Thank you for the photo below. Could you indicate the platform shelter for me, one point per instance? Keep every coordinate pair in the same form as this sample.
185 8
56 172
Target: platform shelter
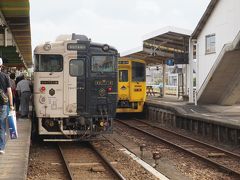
164 47
15 33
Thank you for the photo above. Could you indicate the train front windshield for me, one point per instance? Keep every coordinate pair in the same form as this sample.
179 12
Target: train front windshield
138 72
103 63
48 63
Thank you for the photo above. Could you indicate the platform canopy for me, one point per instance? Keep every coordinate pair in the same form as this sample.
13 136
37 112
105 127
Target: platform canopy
15 33
144 54
161 45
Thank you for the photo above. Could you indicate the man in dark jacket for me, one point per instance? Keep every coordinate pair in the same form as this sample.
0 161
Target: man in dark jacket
6 89
17 98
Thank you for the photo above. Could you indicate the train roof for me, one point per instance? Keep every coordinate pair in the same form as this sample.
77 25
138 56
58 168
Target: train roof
100 44
74 38
131 59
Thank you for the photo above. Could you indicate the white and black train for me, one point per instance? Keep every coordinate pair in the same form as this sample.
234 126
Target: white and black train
75 88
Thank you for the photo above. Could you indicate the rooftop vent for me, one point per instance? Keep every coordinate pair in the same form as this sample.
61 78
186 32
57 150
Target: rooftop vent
79 37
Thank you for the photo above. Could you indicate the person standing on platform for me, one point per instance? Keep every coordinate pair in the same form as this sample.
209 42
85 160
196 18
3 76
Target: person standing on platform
24 92
13 86
5 88
17 98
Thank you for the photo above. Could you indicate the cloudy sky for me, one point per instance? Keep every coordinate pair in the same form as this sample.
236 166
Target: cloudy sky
120 23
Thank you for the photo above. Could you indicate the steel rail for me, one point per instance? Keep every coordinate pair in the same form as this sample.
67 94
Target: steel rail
116 172
70 174
191 139
181 148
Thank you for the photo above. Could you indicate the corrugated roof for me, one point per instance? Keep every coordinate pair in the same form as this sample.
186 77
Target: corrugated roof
143 54
16 15
161 45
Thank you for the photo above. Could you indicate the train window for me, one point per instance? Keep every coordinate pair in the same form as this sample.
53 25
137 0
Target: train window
103 63
138 72
123 76
48 63
76 67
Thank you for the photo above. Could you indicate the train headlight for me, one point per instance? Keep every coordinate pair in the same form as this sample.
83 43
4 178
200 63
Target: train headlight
51 123
47 47
105 47
101 123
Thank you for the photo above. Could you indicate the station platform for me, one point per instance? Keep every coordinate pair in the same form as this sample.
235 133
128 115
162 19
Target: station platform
14 163
226 115
220 122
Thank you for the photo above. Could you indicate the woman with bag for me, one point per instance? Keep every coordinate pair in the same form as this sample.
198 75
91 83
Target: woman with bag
5 98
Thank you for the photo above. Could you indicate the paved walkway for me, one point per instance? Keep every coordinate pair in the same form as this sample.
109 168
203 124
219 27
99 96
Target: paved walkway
14 163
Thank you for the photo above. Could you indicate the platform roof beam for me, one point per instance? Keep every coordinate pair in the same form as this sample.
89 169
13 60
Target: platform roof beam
15 33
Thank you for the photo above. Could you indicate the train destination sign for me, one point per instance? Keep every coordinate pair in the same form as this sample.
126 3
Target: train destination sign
122 62
76 47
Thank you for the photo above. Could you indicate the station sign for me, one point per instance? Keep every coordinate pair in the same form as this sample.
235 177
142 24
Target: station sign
181 58
170 62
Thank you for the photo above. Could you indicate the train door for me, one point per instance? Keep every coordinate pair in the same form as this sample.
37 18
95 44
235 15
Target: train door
123 86
74 78
138 81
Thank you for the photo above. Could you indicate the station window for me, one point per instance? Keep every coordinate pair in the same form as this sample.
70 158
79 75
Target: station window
210 43
123 76
76 67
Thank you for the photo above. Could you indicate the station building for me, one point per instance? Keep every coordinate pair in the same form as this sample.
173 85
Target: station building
217 41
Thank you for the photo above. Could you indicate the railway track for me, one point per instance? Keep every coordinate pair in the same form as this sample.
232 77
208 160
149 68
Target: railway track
86 158
220 158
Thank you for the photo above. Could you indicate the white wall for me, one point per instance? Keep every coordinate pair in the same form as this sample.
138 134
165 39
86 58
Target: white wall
224 22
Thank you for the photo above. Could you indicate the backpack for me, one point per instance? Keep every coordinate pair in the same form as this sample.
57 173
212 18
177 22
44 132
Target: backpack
3 98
